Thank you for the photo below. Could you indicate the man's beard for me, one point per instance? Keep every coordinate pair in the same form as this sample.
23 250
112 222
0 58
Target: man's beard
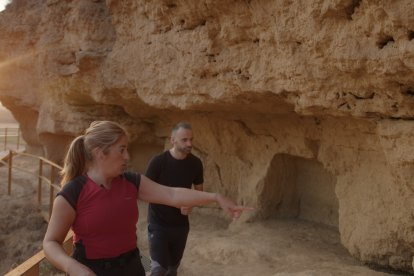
186 150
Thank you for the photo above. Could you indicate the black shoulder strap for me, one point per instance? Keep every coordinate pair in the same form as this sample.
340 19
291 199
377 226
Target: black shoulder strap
71 190
134 178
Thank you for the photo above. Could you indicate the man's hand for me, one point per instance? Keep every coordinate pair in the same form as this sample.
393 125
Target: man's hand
186 210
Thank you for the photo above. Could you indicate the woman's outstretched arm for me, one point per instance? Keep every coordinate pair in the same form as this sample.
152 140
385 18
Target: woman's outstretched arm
153 192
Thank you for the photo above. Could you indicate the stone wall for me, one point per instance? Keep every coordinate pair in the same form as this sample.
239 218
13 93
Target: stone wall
301 108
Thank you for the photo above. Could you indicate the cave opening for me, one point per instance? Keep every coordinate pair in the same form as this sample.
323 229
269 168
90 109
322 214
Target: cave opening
300 188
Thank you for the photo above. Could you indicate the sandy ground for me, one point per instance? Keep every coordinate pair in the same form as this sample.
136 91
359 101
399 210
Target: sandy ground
216 246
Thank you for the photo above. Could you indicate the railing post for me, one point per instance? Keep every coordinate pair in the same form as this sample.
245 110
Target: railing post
5 138
9 177
18 138
39 184
51 190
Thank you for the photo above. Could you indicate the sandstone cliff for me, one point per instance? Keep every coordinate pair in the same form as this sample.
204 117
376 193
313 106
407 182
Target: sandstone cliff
302 108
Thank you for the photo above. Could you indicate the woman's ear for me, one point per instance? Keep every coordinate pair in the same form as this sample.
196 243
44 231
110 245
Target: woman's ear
97 153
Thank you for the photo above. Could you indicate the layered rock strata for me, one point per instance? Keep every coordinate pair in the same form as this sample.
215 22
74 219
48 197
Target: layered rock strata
301 108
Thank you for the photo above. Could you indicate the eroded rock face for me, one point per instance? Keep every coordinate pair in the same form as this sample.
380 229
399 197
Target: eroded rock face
301 108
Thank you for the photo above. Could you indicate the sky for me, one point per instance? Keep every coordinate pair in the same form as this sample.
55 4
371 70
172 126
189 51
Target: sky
3 4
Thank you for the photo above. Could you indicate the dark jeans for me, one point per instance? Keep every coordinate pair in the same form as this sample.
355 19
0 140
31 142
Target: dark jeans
127 264
166 245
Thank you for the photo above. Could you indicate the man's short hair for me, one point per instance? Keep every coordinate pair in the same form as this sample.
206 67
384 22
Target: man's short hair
184 125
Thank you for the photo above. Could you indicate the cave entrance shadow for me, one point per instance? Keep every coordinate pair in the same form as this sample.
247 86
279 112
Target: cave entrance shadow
296 187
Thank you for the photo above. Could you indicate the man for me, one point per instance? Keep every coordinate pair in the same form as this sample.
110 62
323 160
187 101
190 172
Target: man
168 227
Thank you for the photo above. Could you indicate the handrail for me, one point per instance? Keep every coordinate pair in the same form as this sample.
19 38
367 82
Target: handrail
31 266
44 178
41 158
41 177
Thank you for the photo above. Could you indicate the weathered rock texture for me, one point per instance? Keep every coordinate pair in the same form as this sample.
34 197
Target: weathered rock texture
301 108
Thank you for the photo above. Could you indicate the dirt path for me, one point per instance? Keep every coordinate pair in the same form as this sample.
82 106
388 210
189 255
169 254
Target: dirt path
275 247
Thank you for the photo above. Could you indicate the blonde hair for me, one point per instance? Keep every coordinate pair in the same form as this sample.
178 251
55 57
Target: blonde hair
100 134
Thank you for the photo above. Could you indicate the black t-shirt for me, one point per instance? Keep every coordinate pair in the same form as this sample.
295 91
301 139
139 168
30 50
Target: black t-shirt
168 171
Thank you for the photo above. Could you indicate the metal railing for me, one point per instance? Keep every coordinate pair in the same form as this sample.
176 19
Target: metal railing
50 181
31 267
11 138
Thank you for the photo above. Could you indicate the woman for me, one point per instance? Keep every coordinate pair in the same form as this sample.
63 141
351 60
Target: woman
98 201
